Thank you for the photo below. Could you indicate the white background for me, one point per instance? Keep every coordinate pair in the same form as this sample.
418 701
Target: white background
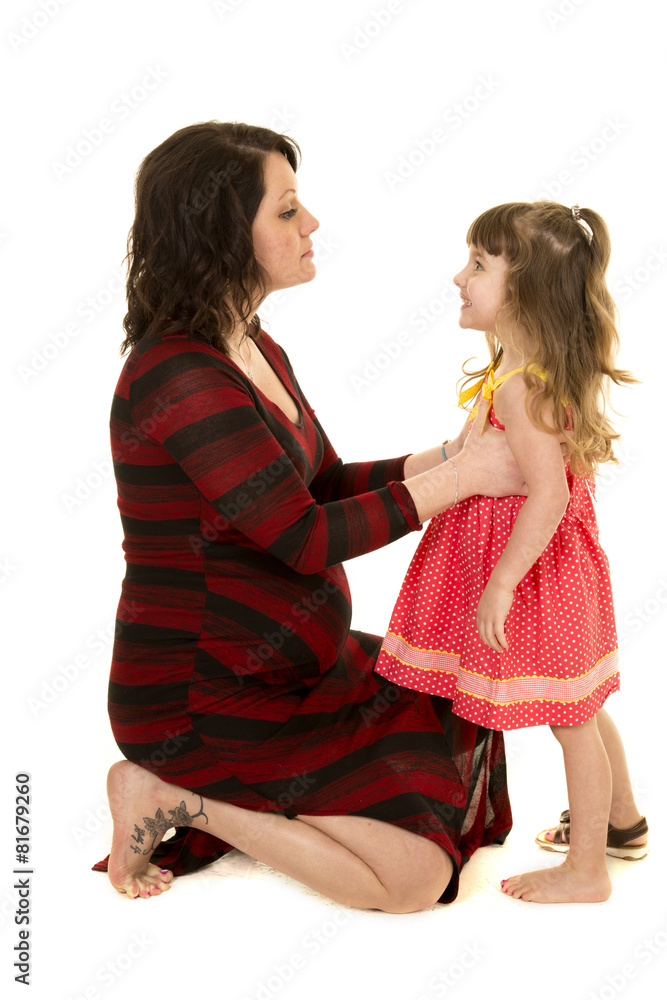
532 99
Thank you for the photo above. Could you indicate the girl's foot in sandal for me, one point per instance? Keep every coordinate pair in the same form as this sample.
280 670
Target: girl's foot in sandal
630 844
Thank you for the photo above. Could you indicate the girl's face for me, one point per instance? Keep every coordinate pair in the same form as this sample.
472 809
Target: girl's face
482 287
281 228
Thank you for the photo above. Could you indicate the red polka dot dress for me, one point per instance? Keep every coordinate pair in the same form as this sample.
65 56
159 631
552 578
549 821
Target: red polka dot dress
562 660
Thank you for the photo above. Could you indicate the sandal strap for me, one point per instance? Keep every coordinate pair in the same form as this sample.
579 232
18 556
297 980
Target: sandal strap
562 832
619 838
615 838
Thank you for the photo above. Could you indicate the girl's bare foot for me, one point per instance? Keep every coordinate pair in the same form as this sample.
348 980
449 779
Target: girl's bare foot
143 808
563 884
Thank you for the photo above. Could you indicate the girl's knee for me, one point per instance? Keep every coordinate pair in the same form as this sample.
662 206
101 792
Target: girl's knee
566 734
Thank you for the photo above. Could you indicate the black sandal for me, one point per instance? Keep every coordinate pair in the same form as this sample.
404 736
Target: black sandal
617 840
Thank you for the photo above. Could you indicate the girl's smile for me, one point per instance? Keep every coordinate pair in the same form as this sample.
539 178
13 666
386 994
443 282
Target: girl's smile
482 287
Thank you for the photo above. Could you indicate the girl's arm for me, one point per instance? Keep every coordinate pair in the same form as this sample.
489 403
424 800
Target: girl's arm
539 457
424 460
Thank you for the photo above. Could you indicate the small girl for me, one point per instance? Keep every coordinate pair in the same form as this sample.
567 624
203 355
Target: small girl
506 607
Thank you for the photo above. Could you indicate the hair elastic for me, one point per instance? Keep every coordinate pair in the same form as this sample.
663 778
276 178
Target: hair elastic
576 215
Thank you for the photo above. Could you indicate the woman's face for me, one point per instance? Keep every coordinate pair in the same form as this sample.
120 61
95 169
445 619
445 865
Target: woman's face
282 227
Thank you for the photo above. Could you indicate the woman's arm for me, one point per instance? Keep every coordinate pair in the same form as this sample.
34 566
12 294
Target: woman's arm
539 457
186 399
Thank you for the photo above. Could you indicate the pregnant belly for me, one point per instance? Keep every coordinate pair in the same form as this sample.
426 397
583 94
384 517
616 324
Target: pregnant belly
247 617
277 627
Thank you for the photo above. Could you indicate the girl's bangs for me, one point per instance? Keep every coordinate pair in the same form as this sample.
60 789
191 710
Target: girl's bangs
489 231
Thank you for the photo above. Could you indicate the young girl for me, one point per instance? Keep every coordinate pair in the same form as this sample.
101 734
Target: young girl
506 607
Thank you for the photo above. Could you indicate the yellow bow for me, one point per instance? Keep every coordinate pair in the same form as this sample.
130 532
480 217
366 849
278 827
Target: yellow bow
486 384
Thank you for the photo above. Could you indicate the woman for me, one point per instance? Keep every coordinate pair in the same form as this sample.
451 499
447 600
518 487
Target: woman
249 713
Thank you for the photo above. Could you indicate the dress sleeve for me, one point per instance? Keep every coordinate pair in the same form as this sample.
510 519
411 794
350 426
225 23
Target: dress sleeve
190 404
337 480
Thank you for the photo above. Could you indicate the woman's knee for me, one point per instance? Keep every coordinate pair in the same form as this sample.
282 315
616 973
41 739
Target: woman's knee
422 886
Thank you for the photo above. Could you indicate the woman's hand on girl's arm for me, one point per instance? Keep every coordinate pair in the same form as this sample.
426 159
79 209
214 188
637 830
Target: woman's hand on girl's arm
488 467
539 457
485 466
453 447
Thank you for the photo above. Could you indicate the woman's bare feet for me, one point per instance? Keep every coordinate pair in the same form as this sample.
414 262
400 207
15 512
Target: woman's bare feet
143 808
564 884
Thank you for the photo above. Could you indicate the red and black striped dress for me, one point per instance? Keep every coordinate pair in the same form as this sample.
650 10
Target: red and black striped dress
235 672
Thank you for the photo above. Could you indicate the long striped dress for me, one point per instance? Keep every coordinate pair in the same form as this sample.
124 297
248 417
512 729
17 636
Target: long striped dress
235 672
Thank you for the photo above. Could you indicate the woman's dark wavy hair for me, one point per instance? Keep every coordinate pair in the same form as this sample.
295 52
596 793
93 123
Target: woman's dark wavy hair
556 294
191 262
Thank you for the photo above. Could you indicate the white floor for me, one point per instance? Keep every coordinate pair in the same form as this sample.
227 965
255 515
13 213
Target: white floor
254 934
241 931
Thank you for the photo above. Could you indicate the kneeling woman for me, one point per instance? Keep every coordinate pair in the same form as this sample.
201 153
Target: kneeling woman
248 712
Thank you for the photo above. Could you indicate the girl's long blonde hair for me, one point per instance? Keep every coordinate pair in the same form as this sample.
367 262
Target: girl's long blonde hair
556 294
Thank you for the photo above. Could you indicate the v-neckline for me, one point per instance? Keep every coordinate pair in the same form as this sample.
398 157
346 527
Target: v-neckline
297 402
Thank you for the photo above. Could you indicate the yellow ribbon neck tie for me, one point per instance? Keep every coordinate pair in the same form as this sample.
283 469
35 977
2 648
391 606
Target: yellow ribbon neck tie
489 383
486 384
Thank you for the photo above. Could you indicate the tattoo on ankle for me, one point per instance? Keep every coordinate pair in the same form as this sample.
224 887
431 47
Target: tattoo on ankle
158 826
